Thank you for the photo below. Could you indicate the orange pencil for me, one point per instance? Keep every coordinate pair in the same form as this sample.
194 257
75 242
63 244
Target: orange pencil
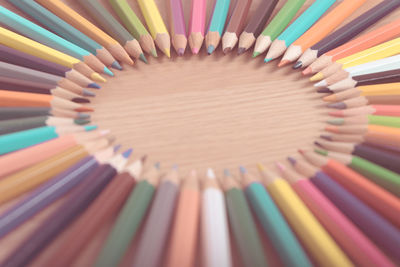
69 15
182 250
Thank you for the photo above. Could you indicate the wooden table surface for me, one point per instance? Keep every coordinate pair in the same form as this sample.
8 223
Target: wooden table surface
203 111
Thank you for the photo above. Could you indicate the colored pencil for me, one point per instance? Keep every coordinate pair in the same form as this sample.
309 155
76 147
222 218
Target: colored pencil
320 29
365 41
276 25
65 30
156 25
154 234
177 26
297 28
273 222
216 24
367 90
197 25
8 113
235 25
19 58
114 28
183 240
366 219
381 176
346 32
377 198
66 13
319 244
214 224
383 110
389 99
102 210
363 129
31 47
345 138
243 226
361 149
129 219
367 119
73 206
39 34
345 233
133 24
386 49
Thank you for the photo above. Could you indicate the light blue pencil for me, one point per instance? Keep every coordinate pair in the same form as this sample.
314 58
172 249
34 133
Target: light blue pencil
217 24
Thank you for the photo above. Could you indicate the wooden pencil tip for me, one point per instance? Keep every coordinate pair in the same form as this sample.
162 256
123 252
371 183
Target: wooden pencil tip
116 65
108 72
210 49
241 50
329 98
256 54
97 77
307 71
283 62
297 65
317 77
167 52
180 52
335 113
154 52
84 109
143 58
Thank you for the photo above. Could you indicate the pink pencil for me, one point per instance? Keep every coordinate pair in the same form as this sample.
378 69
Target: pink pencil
177 24
197 25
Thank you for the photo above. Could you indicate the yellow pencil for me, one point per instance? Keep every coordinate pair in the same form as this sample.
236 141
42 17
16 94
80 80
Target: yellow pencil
156 25
316 240
26 45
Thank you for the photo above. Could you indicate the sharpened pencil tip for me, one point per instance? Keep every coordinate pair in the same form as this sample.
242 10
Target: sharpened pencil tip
80 100
266 60
195 50
227 50
154 53
143 58
283 62
227 172
322 152
105 132
181 52
241 50
291 160
116 65
260 167
83 116
280 166
317 143
108 72
167 52
116 148
324 90
242 170
97 77
85 109
325 137
338 105
307 71
210 49
256 54
317 77
336 121
86 92
157 165
322 83
336 113
297 65
143 158
301 151
81 122
210 173
126 154
90 128
94 85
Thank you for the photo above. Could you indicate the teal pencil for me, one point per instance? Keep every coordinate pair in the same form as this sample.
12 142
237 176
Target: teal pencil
217 24
19 140
297 28
273 223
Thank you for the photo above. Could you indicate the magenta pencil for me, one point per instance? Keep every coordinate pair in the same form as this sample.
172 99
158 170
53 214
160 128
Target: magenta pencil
177 26
197 25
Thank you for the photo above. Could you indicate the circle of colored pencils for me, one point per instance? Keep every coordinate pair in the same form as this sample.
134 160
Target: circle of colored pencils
197 25
177 26
297 28
216 25
156 25
114 28
214 222
320 29
256 25
368 221
273 222
235 25
363 42
276 26
346 32
105 206
129 219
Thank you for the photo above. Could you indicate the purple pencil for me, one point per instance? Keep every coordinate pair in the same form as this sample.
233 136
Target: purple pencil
177 26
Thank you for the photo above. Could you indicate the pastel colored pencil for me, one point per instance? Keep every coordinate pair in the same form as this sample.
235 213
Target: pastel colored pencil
367 220
276 25
243 226
102 210
183 240
377 198
65 30
345 233
16 125
114 28
386 49
273 222
367 119
34 48
256 25
18 183
319 244
66 13
22 59
216 24
380 157
385 99
346 33
367 90
154 234
8 113
133 24
214 224
73 206
363 129
381 176
383 110
177 26
24 158
156 25
15 141
235 25
297 28
197 25
365 41
320 29
39 34
129 219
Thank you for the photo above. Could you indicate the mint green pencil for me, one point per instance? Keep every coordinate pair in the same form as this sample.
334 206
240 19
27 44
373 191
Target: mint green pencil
277 25
217 24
